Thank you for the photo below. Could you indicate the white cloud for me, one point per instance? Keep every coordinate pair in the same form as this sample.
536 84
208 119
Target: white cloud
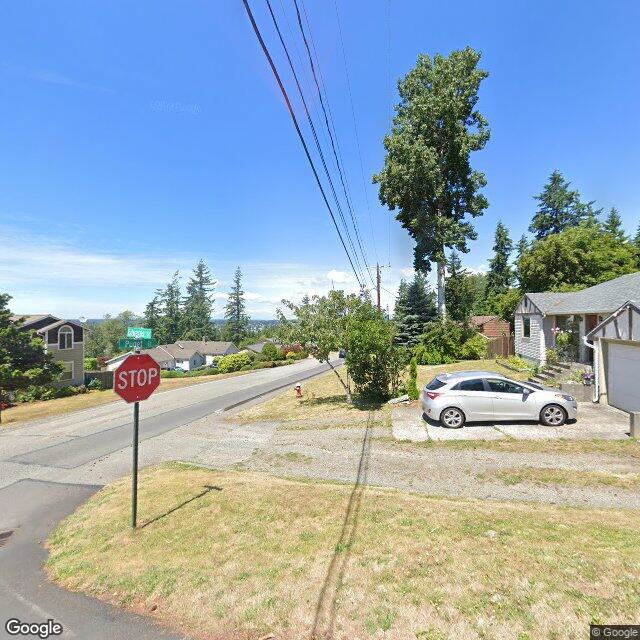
340 277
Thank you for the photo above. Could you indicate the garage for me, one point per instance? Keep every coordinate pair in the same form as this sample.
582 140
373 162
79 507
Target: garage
623 375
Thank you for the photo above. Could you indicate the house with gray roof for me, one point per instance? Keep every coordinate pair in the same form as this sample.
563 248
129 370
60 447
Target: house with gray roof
541 317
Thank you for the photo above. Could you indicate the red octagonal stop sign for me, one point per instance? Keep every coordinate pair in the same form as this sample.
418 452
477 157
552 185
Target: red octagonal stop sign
137 378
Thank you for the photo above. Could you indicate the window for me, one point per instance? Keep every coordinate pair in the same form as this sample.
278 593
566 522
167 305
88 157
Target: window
505 386
526 327
67 373
470 385
65 338
436 383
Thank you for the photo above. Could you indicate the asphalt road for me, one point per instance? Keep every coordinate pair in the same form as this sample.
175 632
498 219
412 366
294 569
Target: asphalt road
49 467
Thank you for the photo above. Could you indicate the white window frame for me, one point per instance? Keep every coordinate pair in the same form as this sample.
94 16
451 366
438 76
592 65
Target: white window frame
71 371
524 328
65 330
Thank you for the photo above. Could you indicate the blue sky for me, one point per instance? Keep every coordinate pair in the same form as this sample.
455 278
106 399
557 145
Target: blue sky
136 138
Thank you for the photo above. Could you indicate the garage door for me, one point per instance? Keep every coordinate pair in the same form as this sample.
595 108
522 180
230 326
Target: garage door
623 376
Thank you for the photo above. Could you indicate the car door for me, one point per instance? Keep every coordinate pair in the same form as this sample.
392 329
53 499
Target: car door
474 399
510 402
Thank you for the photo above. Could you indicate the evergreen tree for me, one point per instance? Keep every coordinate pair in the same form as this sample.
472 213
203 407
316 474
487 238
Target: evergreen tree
23 360
522 248
427 174
169 326
500 275
559 208
237 320
152 315
415 307
613 225
459 290
198 304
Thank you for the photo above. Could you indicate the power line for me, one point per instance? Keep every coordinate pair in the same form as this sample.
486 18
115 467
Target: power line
298 131
314 133
329 127
355 129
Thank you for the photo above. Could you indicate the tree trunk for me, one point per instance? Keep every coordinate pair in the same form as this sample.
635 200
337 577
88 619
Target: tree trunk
442 307
347 390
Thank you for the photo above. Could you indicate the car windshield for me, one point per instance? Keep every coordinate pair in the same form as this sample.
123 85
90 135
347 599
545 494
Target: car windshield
436 383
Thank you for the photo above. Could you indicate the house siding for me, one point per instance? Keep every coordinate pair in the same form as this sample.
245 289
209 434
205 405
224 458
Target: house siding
531 348
75 355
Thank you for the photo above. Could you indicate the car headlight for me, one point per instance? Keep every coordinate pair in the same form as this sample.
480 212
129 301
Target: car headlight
565 397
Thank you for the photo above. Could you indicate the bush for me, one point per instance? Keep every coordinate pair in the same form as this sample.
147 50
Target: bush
272 352
95 384
264 365
553 357
171 374
440 343
518 362
35 392
290 355
412 386
205 371
475 348
234 362
90 364
247 367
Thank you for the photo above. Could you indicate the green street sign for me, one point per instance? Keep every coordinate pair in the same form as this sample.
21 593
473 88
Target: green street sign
139 332
141 343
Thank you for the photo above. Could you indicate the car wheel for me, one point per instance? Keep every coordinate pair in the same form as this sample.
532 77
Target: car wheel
553 415
452 418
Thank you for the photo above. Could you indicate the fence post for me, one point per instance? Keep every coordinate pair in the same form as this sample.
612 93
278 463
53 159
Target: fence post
634 424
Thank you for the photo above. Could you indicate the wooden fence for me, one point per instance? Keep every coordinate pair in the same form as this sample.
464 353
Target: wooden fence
501 347
106 377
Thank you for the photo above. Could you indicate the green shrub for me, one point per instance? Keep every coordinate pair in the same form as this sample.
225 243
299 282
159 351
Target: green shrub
35 392
247 367
291 355
553 357
172 374
412 386
440 343
90 364
475 348
272 352
95 384
205 371
518 362
234 362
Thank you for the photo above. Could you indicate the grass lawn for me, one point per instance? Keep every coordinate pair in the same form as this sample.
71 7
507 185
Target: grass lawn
232 555
426 373
323 404
47 409
566 477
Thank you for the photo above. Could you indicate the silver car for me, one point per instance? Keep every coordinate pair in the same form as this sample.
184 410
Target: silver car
455 398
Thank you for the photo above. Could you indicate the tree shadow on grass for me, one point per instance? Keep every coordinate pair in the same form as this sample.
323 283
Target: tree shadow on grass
362 403
326 607
207 489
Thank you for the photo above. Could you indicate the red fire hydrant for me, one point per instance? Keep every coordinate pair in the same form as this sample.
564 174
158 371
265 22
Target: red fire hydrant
298 389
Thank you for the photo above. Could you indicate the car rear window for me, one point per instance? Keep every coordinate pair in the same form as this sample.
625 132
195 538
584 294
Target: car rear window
436 383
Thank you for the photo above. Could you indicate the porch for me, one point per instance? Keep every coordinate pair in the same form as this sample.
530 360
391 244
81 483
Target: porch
563 334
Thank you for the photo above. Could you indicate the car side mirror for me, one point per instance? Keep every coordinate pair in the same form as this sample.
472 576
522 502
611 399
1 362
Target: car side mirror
526 392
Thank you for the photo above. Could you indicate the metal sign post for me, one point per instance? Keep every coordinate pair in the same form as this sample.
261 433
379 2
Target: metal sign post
134 482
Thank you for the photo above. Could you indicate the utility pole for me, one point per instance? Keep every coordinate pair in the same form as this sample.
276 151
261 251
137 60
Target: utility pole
378 283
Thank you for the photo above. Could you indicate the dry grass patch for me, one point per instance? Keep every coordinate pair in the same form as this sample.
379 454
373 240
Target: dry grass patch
250 554
566 477
323 405
426 373
619 449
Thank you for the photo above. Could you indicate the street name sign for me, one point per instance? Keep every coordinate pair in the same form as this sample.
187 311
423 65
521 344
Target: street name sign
139 332
137 343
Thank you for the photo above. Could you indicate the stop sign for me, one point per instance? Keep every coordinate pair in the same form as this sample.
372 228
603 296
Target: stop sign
137 378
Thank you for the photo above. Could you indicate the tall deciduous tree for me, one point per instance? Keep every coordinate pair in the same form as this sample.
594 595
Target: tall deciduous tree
576 258
23 361
500 275
198 304
559 208
237 319
415 307
427 175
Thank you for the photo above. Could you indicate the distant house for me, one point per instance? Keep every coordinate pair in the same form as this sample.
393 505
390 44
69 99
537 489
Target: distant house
210 349
491 326
63 339
180 355
259 346
539 317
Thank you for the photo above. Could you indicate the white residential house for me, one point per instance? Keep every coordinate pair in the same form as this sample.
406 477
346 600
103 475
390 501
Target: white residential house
168 356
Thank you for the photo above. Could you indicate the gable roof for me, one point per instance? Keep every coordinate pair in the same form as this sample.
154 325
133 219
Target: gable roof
30 319
175 351
53 323
601 298
209 347
479 321
259 346
628 305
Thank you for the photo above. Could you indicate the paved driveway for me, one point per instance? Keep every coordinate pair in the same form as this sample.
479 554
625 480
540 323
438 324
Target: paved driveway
594 421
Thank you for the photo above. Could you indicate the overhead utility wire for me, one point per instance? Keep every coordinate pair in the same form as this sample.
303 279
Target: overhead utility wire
265 50
331 137
315 135
355 129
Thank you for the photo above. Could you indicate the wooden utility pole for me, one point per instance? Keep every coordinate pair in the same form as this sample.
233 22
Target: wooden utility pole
378 283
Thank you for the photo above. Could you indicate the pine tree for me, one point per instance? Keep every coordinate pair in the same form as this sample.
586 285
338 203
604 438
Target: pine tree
198 304
559 208
636 242
500 275
415 308
237 320
522 248
613 225
152 315
169 326
459 290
